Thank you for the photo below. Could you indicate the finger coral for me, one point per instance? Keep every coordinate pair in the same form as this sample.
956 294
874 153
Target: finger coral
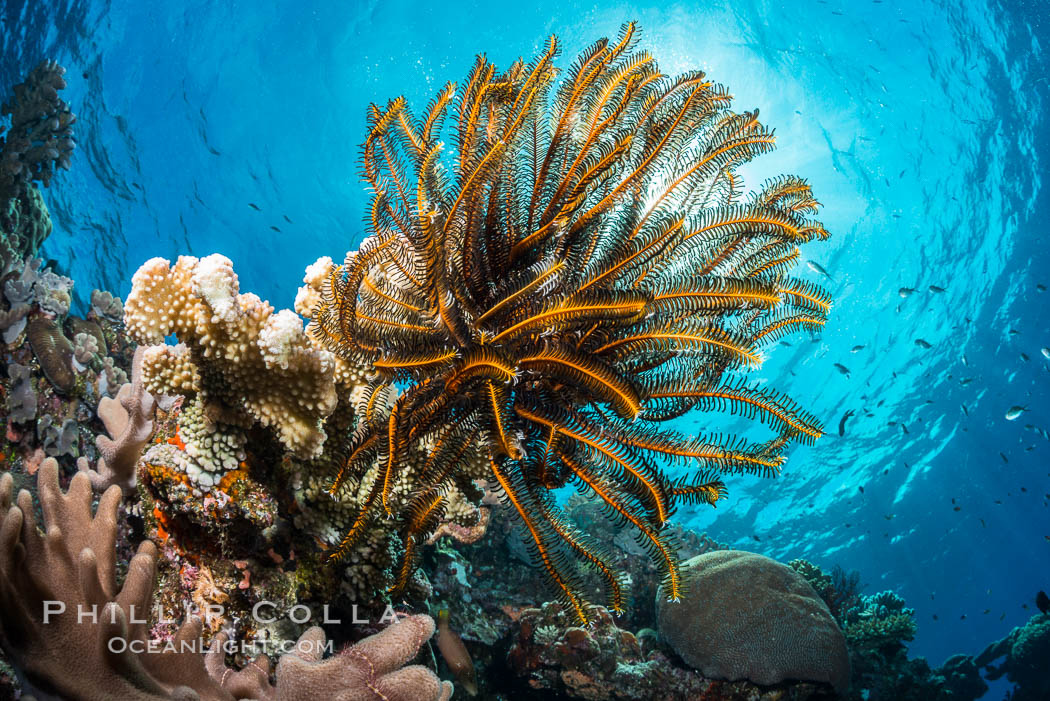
73 566
247 364
373 668
584 266
129 422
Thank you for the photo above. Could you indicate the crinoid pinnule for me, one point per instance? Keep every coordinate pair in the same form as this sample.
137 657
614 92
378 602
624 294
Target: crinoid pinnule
583 265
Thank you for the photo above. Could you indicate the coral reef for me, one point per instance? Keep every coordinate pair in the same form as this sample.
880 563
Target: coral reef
839 590
1024 653
41 286
74 566
604 662
745 616
520 318
876 628
879 620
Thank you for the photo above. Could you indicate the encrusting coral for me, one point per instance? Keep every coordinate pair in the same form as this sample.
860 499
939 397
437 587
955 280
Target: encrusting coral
252 365
73 565
585 267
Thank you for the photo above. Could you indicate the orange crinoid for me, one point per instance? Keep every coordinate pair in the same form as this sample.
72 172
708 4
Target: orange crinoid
583 266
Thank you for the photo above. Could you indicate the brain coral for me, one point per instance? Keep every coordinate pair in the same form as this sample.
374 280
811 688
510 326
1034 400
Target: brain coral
251 364
745 616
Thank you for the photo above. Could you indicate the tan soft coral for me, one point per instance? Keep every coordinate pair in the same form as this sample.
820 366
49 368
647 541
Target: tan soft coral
250 364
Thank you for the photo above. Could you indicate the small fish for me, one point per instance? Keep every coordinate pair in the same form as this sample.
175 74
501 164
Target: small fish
1045 352
965 361
286 218
275 228
1042 602
1024 357
922 343
254 206
935 617
982 523
861 488
842 427
1014 412
1041 288
842 369
1004 458
963 381
905 292
818 268
456 655
936 290
855 349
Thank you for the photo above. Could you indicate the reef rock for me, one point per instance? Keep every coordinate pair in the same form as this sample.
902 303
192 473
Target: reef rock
745 616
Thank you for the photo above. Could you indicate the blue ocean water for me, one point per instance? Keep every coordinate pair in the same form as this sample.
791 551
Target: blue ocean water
921 126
